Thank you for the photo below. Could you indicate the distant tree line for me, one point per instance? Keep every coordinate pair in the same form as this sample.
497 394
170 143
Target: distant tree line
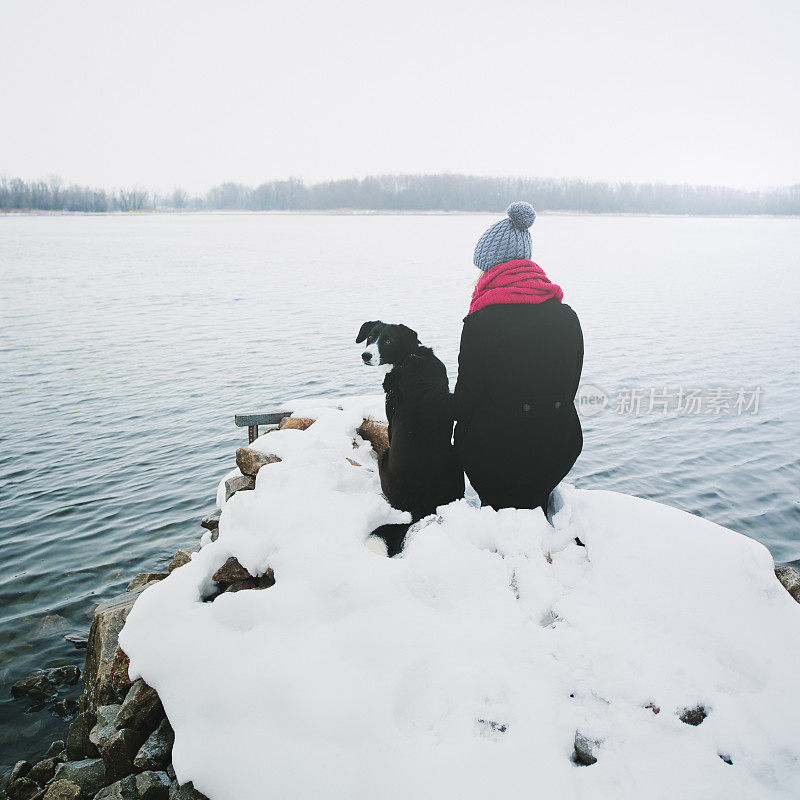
410 193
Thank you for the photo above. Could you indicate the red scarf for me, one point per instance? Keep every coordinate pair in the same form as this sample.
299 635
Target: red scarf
518 281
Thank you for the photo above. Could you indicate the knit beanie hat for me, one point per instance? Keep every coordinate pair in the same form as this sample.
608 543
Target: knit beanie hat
507 239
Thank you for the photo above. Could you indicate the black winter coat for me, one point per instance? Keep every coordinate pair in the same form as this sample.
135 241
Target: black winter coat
518 433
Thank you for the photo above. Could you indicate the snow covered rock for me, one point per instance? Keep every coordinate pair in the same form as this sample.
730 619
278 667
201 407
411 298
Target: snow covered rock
105 671
238 483
790 579
464 667
180 558
250 461
375 433
295 423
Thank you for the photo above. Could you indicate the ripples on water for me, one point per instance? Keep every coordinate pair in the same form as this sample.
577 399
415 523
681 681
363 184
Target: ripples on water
128 342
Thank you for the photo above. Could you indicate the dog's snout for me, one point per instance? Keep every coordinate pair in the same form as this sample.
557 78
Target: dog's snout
367 356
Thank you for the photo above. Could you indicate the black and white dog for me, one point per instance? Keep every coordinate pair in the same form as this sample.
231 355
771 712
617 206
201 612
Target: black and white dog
419 471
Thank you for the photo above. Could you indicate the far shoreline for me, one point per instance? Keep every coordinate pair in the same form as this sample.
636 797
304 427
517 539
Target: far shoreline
352 212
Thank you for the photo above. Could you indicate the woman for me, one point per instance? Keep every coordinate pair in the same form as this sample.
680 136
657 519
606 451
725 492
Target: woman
517 431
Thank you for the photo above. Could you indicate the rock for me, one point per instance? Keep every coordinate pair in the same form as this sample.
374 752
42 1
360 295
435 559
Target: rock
62 790
79 744
790 579
295 423
230 572
105 672
185 792
43 684
118 753
250 461
171 772
20 770
693 716
141 709
105 726
49 625
156 752
584 750
211 521
214 534
124 789
89 774
79 642
143 578
239 483
55 749
375 433
181 558
21 789
152 785
43 771
66 708
263 582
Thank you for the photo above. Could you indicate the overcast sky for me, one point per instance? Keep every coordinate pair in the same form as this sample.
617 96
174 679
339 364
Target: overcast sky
194 93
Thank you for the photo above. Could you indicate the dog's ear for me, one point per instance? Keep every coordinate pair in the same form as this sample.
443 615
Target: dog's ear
410 338
364 330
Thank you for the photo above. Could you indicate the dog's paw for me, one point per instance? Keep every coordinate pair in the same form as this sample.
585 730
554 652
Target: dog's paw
377 545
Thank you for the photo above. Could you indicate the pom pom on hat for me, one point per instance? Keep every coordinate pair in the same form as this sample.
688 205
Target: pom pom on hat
521 215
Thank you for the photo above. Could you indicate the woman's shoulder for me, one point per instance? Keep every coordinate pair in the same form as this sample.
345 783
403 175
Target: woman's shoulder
514 312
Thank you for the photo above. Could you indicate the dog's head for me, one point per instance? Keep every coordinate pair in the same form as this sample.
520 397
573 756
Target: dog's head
386 344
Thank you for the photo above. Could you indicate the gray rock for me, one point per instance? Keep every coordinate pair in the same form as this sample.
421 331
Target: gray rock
105 672
43 684
152 785
62 790
55 749
250 461
171 772
211 521
180 558
214 534
118 753
584 753
79 744
143 578
20 770
141 709
156 752
790 579
693 716
105 726
230 572
65 708
124 789
49 625
238 483
89 774
77 641
185 792
21 789
43 771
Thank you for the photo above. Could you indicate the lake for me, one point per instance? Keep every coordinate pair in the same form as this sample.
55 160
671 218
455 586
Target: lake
127 343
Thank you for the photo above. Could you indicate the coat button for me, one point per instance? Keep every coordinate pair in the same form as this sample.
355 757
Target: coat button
526 406
558 404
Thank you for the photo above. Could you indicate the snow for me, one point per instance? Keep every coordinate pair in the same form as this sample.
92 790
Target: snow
464 667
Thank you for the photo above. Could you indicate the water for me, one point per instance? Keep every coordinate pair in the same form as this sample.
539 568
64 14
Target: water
127 343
